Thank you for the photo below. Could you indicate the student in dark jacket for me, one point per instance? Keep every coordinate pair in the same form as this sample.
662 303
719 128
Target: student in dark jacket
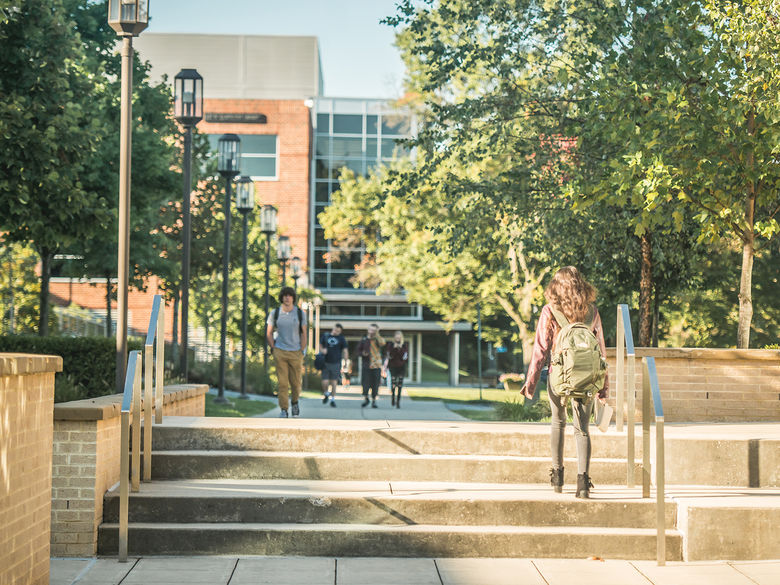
396 358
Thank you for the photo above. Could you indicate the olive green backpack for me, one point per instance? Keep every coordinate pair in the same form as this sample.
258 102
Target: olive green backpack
577 368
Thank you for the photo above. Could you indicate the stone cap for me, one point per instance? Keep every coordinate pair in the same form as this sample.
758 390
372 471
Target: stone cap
702 353
105 407
16 364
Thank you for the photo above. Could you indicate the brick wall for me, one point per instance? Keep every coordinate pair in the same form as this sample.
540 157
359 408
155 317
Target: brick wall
290 121
711 385
26 403
86 463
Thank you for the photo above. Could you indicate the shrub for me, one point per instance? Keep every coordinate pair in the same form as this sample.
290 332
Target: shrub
88 363
518 411
256 380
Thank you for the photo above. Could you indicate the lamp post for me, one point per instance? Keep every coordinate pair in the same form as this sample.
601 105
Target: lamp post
188 111
128 18
268 227
229 148
295 270
245 202
283 252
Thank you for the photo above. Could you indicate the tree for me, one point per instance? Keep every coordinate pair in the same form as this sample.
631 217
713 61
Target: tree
48 131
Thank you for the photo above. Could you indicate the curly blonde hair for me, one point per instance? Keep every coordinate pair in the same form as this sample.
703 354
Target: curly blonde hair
571 294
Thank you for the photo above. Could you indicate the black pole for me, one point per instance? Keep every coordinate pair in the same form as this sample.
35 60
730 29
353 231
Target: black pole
223 321
284 272
479 347
267 306
186 242
295 283
244 310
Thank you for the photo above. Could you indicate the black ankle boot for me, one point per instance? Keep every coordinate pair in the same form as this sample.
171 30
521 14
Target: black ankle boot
583 486
556 479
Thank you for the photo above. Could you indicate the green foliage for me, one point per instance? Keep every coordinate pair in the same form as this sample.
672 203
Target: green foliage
19 288
256 381
518 410
88 363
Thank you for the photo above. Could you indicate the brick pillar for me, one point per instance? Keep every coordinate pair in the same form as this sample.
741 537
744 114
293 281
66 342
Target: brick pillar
26 406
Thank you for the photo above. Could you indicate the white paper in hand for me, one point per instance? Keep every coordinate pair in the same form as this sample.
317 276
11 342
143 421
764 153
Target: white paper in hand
603 416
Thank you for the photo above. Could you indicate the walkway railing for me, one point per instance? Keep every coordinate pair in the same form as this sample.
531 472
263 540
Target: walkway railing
625 368
650 388
130 460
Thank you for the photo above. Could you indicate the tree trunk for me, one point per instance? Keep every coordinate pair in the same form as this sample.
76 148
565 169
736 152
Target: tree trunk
745 294
108 304
43 320
748 239
646 292
656 316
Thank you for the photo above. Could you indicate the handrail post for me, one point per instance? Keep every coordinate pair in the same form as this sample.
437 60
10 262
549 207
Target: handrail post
124 472
160 364
646 391
630 435
619 371
148 404
660 489
136 431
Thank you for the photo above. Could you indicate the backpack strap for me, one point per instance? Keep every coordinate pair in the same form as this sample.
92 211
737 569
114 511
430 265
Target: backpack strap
276 315
591 317
559 317
300 319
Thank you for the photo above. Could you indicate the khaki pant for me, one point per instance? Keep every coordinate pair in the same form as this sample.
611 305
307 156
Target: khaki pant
289 370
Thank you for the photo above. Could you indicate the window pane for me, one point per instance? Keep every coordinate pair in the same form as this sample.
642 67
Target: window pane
395 124
341 279
371 124
322 170
397 310
258 167
321 193
357 166
347 124
258 144
323 123
371 144
342 309
323 145
321 278
348 147
319 238
389 147
319 259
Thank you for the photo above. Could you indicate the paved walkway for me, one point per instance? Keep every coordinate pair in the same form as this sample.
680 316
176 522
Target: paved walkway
348 407
395 571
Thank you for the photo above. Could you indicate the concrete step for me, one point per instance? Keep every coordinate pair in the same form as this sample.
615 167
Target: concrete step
416 437
411 503
354 540
373 467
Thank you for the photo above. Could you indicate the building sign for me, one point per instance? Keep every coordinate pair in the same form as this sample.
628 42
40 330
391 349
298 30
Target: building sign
222 118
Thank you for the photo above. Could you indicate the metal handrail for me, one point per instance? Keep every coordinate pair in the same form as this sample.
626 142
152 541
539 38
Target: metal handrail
131 396
625 351
650 388
130 459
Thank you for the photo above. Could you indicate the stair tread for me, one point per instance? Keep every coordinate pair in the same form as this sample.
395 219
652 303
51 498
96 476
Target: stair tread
267 488
221 453
464 529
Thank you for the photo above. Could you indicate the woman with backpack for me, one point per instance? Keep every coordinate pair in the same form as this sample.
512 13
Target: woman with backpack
570 340
396 358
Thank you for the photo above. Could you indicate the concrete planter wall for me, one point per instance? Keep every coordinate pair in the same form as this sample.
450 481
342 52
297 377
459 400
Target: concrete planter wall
711 385
86 462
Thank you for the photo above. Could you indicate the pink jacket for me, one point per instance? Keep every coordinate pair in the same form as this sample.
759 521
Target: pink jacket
546 330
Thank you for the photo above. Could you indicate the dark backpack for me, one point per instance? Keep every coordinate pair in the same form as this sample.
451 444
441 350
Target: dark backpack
577 368
300 318
319 361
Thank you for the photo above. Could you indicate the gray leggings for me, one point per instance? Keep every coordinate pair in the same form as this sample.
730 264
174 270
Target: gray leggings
581 416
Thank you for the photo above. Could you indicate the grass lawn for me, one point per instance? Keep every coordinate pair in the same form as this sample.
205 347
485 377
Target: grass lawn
465 395
237 407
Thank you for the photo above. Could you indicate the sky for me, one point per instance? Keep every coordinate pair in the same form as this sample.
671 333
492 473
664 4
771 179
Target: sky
357 53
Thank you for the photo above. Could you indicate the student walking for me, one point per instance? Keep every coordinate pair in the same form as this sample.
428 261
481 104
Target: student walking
570 304
286 332
334 345
370 349
396 358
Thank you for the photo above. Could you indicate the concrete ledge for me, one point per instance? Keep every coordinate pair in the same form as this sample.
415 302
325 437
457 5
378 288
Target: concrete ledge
17 364
106 407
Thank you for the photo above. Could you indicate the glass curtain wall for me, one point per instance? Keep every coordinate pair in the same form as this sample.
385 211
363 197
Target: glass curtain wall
354 134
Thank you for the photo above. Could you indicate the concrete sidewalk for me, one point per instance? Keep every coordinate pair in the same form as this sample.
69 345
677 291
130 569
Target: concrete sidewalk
348 407
405 571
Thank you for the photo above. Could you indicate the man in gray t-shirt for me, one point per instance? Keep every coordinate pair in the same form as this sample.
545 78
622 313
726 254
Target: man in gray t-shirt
288 322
